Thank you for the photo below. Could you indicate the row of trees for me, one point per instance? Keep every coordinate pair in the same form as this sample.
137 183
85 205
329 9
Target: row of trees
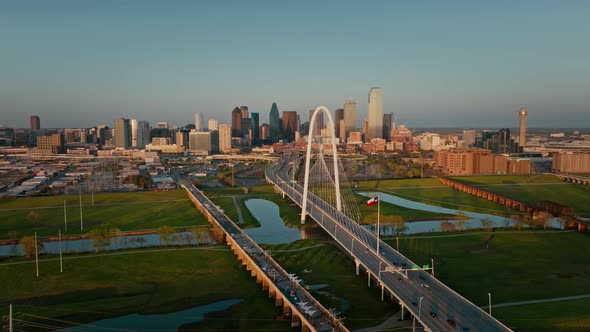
102 237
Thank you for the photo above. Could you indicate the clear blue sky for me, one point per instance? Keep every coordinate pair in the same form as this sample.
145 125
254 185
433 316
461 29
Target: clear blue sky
439 63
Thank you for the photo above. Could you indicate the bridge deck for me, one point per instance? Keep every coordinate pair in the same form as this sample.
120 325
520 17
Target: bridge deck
292 292
431 302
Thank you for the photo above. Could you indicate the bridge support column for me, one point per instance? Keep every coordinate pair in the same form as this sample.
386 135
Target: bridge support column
369 278
357 264
403 313
382 293
295 320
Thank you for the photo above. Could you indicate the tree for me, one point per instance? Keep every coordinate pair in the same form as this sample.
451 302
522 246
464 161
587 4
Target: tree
34 217
165 232
461 220
198 234
28 244
398 225
447 226
543 219
101 237
487 224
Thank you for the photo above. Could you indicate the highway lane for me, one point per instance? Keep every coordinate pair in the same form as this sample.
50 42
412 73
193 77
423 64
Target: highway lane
361 244
319 317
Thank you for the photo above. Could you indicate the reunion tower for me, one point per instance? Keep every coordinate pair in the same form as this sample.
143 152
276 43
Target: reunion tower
522 114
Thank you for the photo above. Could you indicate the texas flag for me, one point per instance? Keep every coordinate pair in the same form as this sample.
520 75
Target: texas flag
372 201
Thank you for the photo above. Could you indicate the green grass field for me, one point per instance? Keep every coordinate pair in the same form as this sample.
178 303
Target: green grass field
431 191
289 211
126 211
93 287
533 188
514 266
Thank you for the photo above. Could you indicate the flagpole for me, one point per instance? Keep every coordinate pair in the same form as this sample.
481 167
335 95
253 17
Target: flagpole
378 213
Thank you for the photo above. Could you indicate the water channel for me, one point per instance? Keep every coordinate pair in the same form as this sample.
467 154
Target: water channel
272 229
159 322
117 243
475 221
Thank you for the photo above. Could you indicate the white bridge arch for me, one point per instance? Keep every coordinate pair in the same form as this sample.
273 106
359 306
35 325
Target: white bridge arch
308 157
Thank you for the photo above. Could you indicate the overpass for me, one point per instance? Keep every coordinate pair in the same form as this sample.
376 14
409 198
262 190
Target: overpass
432 304
298 305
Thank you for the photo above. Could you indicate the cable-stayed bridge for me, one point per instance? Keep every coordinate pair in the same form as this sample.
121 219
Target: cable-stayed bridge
325 198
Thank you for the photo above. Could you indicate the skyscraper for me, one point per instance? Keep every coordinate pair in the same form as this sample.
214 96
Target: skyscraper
244 110
388 124
289 125
255 127
339 116
143 134
349 116
375 115
199 122
225 138
122 133
212 124
275 123
319 122
522 114
133 124
35 122
236 123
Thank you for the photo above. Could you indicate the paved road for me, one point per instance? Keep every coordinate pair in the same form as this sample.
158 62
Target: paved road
555 299
238 210
320 318
435 305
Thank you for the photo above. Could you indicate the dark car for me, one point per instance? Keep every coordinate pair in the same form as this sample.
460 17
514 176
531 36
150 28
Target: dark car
414 304
421 277
451 323
433 314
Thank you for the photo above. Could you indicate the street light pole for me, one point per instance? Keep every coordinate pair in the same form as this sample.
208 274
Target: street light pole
490 303
432 262
420 307
36 255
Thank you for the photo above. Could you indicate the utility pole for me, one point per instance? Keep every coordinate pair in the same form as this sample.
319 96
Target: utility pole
490 303
10 318
81 217
61 262
36 255
65 217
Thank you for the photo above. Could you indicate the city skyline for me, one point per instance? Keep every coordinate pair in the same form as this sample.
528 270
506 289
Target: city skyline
456 64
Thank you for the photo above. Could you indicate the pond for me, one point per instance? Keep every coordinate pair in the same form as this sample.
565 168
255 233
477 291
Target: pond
272 228
160 322
117 243
475 221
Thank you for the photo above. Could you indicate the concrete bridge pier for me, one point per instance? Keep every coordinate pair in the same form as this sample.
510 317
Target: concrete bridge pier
295 321
382 293
403 313
357 264
369 278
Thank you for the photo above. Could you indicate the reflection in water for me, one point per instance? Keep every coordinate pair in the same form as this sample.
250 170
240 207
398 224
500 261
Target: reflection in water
475 221
272 228
161 322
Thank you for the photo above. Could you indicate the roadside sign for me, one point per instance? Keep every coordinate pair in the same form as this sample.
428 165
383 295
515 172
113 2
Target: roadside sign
415 267
425 267
389 269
